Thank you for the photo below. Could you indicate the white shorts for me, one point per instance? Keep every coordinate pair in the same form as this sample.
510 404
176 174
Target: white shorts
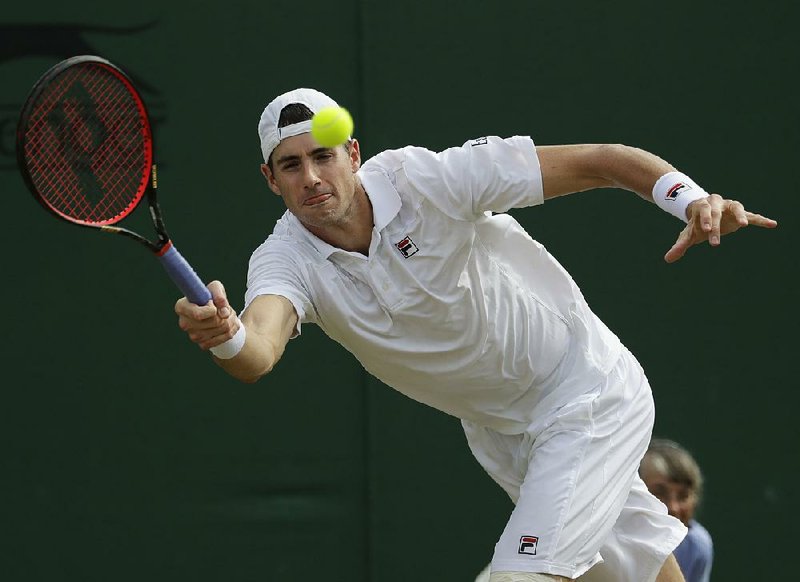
580 505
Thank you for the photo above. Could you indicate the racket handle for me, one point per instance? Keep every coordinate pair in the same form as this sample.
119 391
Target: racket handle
184 277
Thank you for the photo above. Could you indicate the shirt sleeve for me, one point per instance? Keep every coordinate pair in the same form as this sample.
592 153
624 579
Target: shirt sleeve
489 174
272 272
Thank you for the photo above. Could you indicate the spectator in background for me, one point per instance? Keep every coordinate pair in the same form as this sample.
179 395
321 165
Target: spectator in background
671 474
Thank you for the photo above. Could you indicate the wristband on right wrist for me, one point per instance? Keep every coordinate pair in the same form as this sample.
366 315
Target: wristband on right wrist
674 191
228 349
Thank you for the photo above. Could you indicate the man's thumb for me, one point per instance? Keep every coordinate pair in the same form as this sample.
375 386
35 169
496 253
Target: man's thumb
219 298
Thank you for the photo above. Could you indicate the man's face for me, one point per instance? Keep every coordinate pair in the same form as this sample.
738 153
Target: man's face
317 184
679 498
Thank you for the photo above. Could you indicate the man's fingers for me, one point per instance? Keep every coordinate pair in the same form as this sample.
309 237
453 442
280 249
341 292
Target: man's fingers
709 219
759 220
210 338
738 211
706 219
188 323
220 299
683 242
217 289
675 253
208 325
716 220
185 308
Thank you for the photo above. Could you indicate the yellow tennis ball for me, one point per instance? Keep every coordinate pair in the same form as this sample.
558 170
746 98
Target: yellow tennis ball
331 126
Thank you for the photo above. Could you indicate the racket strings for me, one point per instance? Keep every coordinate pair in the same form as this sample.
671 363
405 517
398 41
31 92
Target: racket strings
88 146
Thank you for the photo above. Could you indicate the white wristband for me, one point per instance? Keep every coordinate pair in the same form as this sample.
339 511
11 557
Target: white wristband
228 349
674 191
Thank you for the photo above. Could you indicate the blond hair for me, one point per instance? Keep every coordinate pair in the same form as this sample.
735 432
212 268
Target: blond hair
670 460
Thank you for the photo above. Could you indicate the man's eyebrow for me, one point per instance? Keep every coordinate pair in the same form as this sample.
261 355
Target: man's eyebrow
287 158
295 157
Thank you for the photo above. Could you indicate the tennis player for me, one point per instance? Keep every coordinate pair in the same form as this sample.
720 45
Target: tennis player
412 264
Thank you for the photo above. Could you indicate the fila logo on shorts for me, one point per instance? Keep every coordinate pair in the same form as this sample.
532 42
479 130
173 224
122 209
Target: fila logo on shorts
527 545
479 142
406 247
677 190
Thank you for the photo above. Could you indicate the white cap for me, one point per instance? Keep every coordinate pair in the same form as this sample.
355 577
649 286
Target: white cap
268 130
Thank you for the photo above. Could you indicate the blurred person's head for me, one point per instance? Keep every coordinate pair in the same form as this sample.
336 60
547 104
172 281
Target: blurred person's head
672 475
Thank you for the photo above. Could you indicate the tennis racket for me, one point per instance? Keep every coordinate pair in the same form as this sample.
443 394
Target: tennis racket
85 150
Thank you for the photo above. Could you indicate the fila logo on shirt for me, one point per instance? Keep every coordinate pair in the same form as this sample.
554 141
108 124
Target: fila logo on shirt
677 190
527 545
406 247
479 142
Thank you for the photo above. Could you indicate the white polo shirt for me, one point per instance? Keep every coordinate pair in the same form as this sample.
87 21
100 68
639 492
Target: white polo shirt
455 306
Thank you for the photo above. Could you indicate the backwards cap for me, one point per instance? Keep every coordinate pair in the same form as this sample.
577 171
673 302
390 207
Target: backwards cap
268 130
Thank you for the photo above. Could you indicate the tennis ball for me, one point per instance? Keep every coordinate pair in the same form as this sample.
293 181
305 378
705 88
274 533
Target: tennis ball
331 126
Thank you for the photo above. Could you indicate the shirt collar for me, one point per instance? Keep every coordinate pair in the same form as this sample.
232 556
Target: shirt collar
382 194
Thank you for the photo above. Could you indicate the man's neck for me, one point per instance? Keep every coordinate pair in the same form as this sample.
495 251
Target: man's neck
354 235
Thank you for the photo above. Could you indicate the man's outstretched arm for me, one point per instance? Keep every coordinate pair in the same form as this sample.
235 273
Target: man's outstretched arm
576 168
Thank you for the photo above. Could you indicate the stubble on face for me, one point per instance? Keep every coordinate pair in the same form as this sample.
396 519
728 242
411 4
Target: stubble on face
318 185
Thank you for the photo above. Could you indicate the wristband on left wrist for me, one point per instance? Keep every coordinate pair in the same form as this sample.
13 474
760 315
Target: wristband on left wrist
674 191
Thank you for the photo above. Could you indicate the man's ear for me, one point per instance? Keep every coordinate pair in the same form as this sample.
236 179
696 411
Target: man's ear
355 155
270 177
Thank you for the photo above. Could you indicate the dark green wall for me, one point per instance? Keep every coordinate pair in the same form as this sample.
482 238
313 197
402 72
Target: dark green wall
127 455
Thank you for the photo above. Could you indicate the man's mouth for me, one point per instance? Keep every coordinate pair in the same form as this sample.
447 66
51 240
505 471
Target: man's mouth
314 200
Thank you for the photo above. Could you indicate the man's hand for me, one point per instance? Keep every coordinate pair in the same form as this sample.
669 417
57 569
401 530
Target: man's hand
711 218
211 324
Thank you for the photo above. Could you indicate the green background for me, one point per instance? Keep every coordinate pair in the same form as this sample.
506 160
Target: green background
127 455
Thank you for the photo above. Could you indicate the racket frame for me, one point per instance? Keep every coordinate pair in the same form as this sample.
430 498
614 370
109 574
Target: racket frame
176 266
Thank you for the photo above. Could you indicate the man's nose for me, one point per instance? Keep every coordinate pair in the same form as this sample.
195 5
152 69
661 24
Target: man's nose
673 507
310 175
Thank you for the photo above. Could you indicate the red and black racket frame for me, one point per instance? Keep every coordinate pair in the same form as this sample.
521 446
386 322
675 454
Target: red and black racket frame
179 270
